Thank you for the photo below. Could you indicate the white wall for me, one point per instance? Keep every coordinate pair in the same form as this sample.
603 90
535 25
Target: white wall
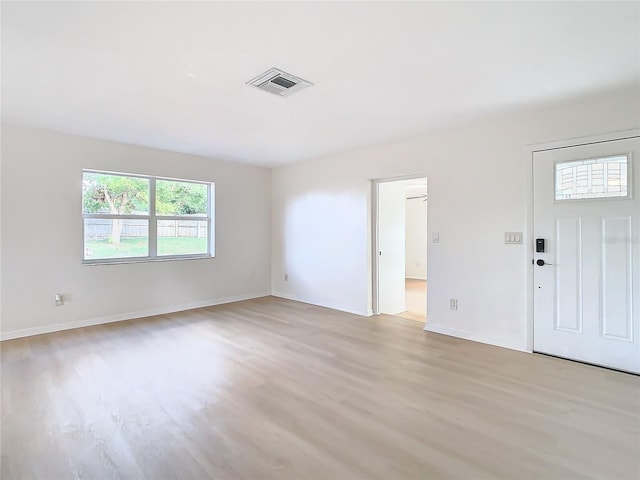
41 191
416 236
391 244
322 215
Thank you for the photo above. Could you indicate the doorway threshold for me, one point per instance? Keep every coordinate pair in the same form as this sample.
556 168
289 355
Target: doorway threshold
412 316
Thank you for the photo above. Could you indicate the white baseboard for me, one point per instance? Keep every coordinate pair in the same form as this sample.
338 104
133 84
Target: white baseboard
362 313
58 327
453 332
416 277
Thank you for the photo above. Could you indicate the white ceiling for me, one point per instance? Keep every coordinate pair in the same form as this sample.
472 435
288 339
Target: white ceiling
172 75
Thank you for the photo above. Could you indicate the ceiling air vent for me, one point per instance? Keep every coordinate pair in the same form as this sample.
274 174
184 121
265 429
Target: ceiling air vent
279 83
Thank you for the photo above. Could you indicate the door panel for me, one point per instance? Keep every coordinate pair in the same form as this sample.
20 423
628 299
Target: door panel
586 294
616 278
568 292
391 247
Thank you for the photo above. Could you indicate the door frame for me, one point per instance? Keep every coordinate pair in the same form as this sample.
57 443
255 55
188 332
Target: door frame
528 233
375 230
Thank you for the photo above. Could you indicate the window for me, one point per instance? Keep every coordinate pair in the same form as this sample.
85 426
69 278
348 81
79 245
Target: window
143 218
592 178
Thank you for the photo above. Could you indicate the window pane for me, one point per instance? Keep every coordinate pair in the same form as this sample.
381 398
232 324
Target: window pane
592 178
181 198
114 194
182 237
115 238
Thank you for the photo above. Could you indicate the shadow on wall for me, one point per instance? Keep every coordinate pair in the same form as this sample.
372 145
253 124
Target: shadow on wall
320 230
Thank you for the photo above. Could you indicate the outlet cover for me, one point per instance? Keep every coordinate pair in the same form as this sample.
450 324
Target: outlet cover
453 304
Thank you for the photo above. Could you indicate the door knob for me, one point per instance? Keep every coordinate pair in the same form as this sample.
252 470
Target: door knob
542 263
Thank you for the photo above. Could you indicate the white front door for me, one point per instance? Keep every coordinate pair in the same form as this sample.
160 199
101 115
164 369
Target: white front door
586 294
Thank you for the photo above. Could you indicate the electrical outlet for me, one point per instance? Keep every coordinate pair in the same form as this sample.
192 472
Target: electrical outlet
59 300
453 304
286 277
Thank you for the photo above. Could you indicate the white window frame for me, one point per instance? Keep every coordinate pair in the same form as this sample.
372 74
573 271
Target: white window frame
153 218
629 185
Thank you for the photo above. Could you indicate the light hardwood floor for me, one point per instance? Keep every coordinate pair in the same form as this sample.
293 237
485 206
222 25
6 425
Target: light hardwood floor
416 300
271 388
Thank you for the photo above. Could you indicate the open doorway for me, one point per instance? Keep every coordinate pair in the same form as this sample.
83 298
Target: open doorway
400 279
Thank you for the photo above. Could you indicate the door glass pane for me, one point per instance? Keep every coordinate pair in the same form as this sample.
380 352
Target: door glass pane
182 237
114 194
592 178
119 238
181 198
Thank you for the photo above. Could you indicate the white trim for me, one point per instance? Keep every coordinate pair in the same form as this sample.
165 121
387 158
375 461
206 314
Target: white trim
528 230
375 234
162 258
629 196
114 216
465 334
375 303
144 175
127 216
152 228
589 139
58 327
286 296
200 218
211 218
152 219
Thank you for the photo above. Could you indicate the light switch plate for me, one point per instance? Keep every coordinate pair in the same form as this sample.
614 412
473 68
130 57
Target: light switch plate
513 238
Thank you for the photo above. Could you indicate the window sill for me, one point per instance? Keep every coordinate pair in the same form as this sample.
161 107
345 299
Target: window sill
120 261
